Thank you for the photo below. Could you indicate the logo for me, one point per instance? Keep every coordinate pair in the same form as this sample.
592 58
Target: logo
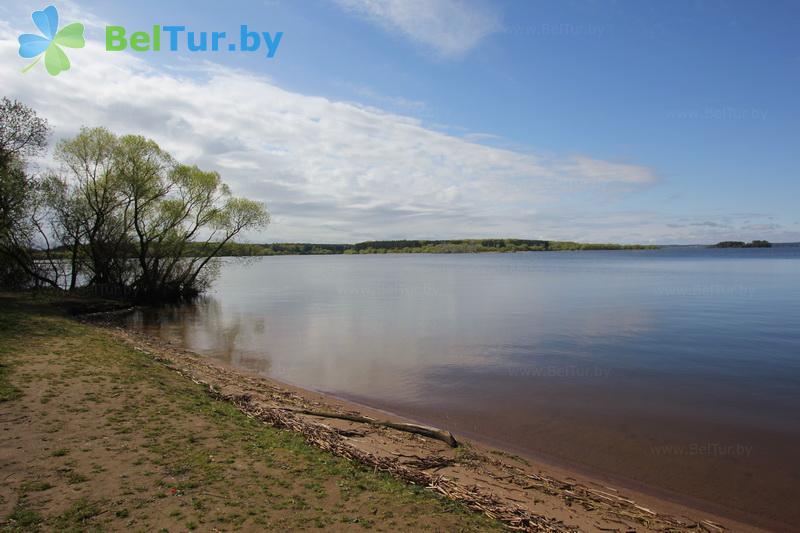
51 41
178 38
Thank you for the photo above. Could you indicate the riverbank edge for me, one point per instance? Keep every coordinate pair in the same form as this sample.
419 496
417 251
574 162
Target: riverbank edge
453 472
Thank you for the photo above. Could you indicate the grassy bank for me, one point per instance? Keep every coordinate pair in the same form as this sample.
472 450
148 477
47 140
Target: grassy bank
98 436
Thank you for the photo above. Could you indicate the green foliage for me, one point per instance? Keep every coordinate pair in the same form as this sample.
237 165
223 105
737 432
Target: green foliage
22 132
742 244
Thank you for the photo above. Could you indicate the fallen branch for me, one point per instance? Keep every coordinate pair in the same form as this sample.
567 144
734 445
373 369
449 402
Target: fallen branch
427 431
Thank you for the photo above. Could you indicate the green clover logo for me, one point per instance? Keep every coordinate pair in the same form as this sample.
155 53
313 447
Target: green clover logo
51 41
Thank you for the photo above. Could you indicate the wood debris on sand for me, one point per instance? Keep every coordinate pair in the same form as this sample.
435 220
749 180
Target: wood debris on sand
499 486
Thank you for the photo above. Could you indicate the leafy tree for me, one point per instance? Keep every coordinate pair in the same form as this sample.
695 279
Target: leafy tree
151 226
22 132
96 211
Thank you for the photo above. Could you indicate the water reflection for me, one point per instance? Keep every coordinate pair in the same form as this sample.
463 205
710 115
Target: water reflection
202 328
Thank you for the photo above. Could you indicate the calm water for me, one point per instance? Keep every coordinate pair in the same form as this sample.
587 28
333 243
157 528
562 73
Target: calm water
678 369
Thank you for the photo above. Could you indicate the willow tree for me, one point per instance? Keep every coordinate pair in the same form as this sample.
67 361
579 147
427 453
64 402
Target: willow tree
91 208
138 214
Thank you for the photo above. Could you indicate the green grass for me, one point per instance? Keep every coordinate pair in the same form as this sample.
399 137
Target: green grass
78 516
8 391
25 518
35 486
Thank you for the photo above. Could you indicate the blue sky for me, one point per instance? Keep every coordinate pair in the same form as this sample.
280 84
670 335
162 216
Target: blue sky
628 121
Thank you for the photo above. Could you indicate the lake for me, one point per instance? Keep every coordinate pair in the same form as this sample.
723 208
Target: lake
677 369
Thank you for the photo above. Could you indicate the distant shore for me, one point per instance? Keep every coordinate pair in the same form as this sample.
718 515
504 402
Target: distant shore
451 246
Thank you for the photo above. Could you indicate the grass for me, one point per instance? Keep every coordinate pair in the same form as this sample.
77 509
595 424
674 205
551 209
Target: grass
8 392
24 518
78 517
122 442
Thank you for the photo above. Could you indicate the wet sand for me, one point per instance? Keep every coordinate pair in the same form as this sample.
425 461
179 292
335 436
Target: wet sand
744 486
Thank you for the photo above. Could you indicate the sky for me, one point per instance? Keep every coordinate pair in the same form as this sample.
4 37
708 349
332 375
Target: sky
596 121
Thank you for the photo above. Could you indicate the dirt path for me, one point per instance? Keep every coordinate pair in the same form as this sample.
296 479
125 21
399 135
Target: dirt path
95 435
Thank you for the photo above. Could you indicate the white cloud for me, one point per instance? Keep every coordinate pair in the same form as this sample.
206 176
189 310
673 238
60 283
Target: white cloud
606 171
328 170
450 27
390 102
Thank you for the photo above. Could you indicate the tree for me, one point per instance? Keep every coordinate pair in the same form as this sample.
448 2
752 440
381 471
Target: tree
97 210
67 214
22 132
22 210
142 215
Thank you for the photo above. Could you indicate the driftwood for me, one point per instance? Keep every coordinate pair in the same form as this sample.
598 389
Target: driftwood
427 431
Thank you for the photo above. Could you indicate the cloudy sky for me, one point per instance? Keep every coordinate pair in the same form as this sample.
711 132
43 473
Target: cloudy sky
666 122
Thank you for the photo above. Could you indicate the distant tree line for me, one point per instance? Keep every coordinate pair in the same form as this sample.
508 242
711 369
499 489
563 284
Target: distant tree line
122 215
742 244
414 246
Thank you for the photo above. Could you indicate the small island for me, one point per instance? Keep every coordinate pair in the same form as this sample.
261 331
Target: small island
742 244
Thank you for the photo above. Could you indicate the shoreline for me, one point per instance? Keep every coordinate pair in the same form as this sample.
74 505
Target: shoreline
666 500
493 470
